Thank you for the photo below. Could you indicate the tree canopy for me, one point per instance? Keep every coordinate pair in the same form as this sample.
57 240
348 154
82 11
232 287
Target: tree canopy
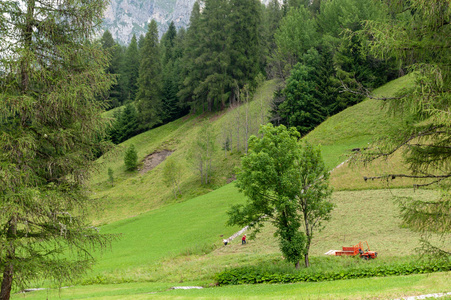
287 183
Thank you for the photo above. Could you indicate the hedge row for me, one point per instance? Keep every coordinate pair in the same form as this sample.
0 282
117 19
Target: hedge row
249 275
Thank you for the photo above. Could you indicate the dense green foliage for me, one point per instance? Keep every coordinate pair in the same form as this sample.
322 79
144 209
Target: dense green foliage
125 124
149 97
250 275
131 69
117 93
131 158
51 130
325 46
285 182
230 44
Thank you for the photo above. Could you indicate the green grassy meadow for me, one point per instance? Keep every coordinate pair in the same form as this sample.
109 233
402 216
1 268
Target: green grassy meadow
368 288
166 242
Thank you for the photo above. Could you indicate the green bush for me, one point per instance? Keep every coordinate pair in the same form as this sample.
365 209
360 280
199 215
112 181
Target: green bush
131 158
252 275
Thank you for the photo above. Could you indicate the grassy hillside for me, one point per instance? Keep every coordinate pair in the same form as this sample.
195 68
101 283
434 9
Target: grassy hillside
357 127
137 192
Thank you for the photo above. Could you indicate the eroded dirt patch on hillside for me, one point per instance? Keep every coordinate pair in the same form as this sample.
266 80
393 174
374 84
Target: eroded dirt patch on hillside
153 160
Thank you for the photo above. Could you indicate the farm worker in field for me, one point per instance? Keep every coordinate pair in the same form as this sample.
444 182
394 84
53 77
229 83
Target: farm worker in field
243 240
225 242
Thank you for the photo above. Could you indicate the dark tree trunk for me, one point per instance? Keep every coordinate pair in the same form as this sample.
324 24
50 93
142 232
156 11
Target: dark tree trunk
309 234
307 263
297 265
7 282
8 272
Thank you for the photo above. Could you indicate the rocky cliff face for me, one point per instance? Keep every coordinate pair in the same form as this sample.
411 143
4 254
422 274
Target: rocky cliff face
127 17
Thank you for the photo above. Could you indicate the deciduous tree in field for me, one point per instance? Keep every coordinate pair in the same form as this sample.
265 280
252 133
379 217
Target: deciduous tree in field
52 76
287 183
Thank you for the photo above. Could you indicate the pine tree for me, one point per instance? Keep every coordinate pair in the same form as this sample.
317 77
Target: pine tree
51 80
140 42
167 43
189 72
115 53
108 44
243 43
301 109
125 125
150 81
131 158
170 101
213 58
328 88
131 68
272 15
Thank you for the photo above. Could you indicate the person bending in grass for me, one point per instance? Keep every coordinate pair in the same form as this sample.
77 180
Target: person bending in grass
243 240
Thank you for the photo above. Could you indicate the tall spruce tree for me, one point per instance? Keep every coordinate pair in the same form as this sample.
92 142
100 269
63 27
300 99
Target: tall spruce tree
167 43
131 69
125 125
51 77
271 17
301 108
243 43
114 67
213 59
170 107
189 72
140 42
150 81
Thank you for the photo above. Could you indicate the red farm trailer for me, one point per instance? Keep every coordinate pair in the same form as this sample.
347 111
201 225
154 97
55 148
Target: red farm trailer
355 250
